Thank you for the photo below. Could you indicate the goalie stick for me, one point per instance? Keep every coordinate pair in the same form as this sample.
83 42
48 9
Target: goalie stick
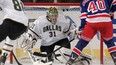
84 58
57 55
44 55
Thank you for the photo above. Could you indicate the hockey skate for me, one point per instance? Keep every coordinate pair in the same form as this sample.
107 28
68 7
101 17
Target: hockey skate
81 60
114 57
85 57
3 59
71 60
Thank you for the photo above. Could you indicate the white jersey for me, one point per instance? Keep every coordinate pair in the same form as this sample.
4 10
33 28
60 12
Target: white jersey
51 33
13 9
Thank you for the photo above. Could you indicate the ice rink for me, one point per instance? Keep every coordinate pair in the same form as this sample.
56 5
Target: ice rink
56 64
93 62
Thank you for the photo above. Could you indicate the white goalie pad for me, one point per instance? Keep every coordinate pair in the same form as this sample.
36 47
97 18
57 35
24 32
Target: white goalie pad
28 44
30 39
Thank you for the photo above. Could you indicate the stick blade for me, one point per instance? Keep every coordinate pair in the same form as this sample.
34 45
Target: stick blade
43 55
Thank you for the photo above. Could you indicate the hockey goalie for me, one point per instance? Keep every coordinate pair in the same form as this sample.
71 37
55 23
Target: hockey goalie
53 29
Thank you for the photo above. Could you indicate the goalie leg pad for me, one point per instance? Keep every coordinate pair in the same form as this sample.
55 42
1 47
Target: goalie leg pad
30 39
28 42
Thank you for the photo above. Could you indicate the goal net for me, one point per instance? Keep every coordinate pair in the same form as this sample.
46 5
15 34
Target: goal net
33 11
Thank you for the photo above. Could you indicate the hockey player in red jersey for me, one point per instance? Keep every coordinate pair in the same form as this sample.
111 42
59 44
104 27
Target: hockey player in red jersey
95 18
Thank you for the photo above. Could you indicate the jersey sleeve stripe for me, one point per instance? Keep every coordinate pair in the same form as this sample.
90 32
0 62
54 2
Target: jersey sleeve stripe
83 15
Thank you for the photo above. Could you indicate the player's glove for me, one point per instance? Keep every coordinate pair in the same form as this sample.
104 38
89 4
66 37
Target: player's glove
111 15
80 30
72 34
75 33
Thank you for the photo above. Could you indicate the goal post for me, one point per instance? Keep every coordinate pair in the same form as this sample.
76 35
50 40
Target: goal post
101 50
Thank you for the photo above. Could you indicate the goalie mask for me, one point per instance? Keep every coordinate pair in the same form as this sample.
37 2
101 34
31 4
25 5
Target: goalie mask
52 15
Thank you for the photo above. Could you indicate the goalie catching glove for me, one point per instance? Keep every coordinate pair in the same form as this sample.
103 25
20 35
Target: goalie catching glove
30 39
75 33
